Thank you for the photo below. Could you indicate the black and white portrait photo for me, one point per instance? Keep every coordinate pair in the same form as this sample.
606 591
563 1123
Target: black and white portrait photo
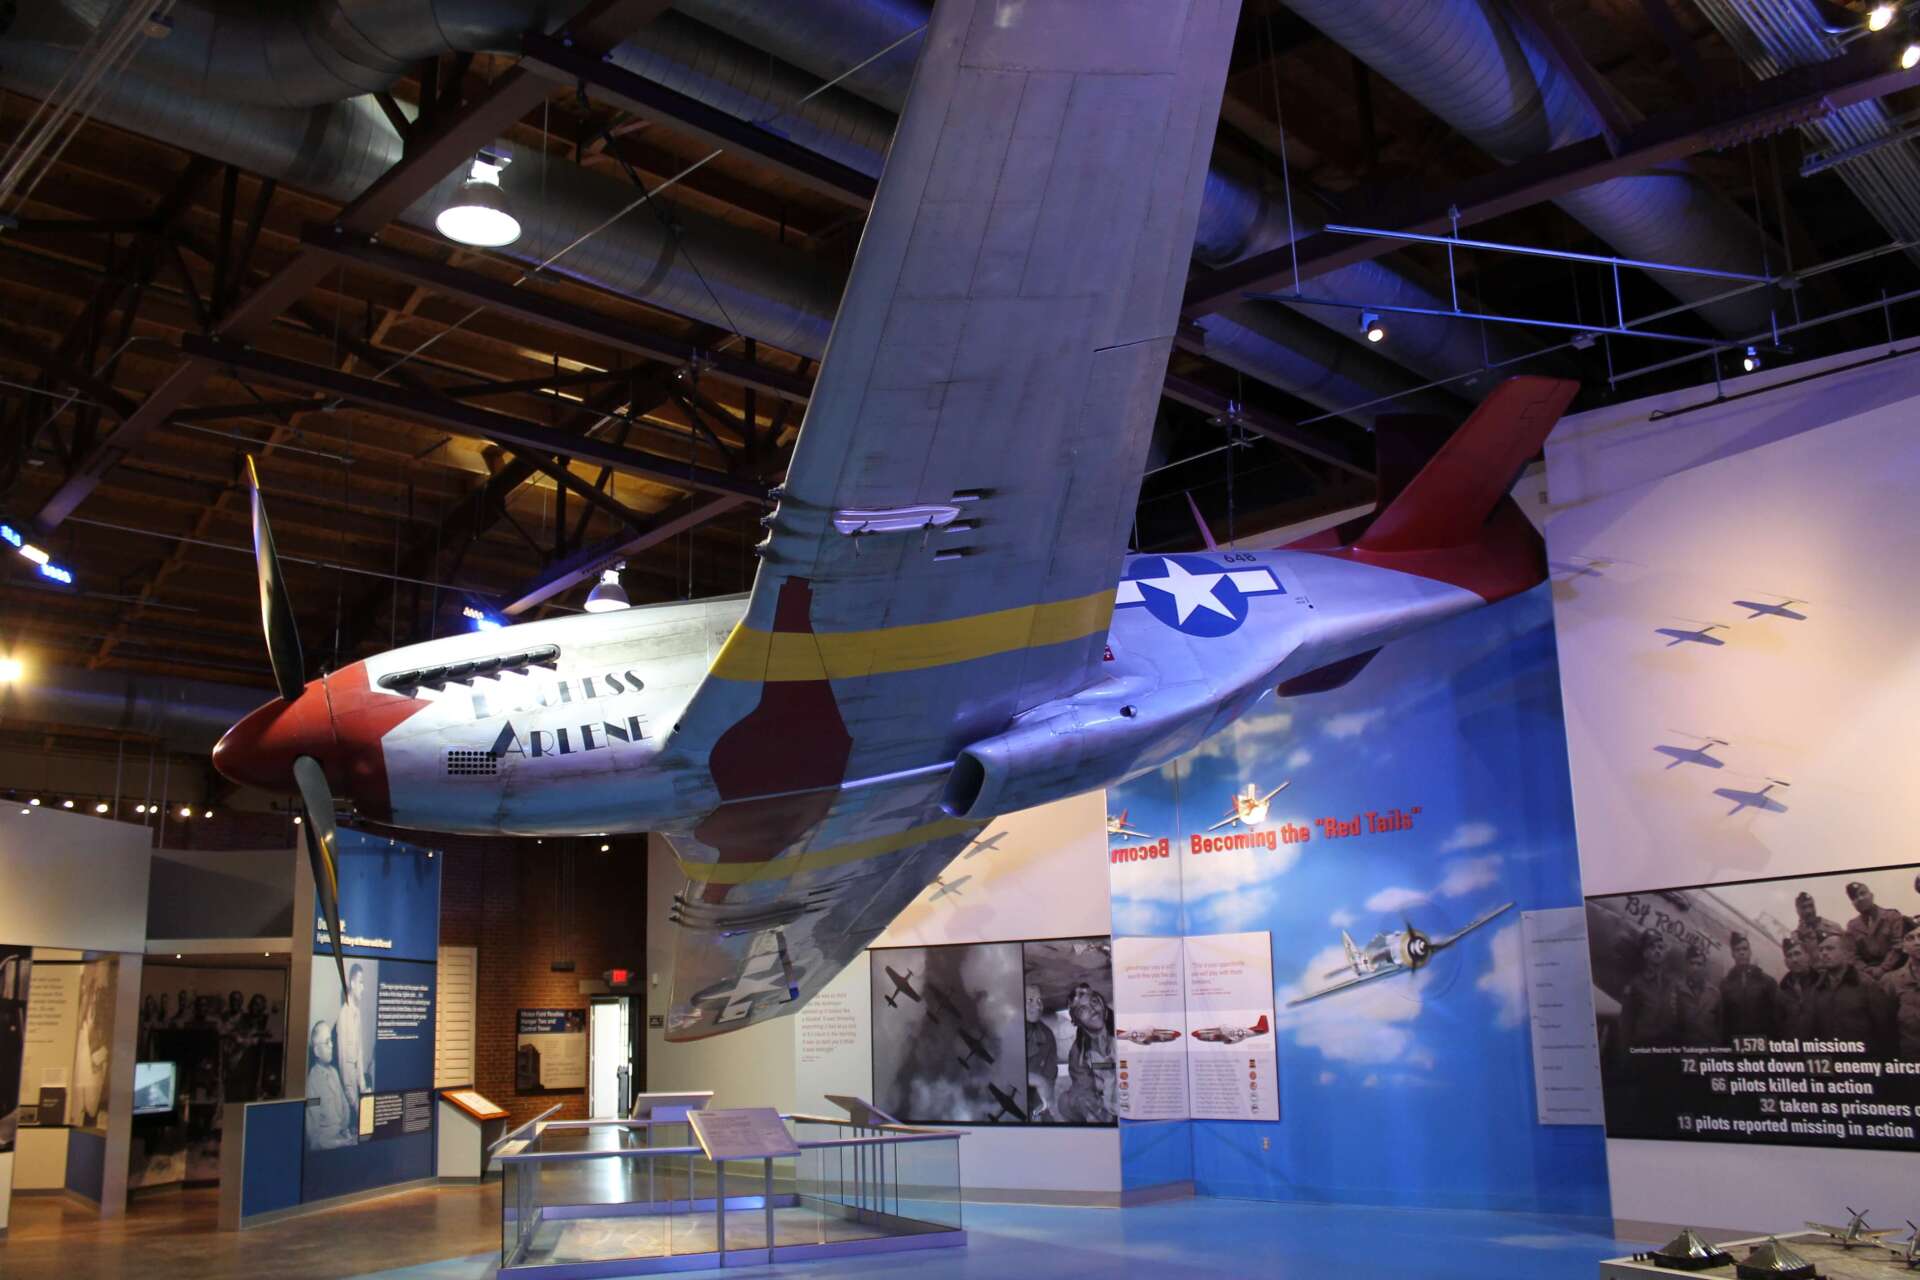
340 1042
93 1047
1067 1003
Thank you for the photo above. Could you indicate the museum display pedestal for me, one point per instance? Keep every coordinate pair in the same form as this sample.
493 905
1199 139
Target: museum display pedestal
468 1128
1829 1259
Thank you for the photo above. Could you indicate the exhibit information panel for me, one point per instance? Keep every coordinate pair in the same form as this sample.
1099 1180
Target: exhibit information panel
1774 1011
743 1133
1150 1001
1560 1020
550 1051
1232 1072
996 1033
370 1095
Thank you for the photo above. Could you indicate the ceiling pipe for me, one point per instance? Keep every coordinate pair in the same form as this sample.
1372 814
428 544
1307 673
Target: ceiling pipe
188 715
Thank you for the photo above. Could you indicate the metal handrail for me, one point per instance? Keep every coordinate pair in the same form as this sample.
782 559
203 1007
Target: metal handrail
649 1153
509 1136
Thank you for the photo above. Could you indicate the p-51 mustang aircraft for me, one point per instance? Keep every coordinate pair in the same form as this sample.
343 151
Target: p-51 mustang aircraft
1153 1035
1402 951
1855 1233
1117 826
1231 1035
903 986
1249 806
945 624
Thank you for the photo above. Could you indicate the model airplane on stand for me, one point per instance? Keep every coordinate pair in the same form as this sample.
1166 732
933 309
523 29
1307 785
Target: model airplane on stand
945 625
1855 1233
1908 1252
1403 951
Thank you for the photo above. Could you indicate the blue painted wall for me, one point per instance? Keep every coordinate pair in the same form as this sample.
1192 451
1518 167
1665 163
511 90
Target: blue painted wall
1415 1090
86 1162
270 1165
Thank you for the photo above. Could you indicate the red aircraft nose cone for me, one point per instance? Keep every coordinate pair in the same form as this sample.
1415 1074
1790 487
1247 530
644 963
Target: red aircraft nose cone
261 749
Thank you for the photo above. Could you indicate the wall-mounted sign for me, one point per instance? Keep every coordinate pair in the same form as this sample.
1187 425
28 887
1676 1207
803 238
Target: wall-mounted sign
550 1053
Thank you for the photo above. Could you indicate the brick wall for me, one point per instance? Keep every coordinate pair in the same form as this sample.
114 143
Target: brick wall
525 904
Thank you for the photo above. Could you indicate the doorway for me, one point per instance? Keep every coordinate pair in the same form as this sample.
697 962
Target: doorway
610 1057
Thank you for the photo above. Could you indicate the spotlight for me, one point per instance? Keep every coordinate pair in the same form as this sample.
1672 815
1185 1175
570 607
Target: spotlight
11 670
607 594
25 812
1751 362
35 802
101 807
1371 325
481 619
297 819
605 847
139 808
1910 56
66 804
186 811
206 813
1880 17
479 214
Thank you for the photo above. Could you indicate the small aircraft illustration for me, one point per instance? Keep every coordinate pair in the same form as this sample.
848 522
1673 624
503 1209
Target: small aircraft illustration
1231 1035
1117 826
989 845
1760 799
1701 755
1699 635
1008 1107
1402 951
1153 1035
1249 806
1784 609
903 986
1909 1250
976 1047
1855 1233
947 887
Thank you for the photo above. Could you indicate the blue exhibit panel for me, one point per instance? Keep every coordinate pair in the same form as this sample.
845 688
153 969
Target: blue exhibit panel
270 1168
1431 789
389 900
86 1162
1155 1153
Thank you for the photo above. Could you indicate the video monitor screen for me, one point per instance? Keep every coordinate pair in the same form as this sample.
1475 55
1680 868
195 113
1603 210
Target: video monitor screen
153 1087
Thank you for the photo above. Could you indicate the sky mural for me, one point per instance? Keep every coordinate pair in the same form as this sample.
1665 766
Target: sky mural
1432 788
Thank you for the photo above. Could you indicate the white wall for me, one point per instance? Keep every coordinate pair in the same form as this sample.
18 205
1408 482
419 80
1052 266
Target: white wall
1806 491
72 880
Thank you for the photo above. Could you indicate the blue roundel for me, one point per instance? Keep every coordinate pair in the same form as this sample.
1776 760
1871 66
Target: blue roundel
1188 593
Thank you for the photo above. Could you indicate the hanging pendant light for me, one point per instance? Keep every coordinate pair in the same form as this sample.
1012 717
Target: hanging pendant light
607 594
480 215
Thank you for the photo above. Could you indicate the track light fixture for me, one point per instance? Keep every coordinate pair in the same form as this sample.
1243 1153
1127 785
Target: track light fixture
1372 326
1880 17
480 214
1752 362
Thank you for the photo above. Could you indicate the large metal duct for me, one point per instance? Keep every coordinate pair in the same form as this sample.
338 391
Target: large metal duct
189 715
325 49
1465 62
1772 36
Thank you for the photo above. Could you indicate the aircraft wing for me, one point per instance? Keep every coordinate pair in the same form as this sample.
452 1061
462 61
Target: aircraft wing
1227 821
950 532
1477 921
1344 983
1276 791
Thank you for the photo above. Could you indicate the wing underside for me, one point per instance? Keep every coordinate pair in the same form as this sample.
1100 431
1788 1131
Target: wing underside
1346 983
1475 923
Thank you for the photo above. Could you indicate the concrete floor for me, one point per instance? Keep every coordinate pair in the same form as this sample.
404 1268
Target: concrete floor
452 1234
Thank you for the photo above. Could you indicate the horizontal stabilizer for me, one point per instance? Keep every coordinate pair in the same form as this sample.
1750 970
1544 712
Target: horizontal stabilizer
1446 504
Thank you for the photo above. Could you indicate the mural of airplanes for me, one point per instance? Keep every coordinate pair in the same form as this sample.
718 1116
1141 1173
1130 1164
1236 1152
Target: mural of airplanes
1855 1233
1701 755
1008 1107
1783 609
947 887
1249 806
938 996
950 537
1403 951
1231 1035
1153 1035
1763 799
1117 826
903 986
976 1047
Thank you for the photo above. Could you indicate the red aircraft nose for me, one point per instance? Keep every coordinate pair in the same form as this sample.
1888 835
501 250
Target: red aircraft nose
261 749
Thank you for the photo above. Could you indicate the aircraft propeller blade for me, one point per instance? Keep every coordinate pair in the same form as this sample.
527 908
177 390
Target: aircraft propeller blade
276 608
322 851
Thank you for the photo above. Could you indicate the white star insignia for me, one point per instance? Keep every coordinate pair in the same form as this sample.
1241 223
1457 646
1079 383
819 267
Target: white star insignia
1190 591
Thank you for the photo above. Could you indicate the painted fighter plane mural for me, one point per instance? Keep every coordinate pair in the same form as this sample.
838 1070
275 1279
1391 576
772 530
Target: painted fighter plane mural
1117 826
945 624
1402 951
903 986
1231 1035
1250 806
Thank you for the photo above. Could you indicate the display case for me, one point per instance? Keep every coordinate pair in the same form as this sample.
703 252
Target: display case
596 1197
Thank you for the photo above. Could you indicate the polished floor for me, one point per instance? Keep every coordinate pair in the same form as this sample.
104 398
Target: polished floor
451 1234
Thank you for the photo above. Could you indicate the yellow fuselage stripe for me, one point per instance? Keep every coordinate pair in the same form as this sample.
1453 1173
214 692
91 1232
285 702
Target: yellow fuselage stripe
753 655
786 868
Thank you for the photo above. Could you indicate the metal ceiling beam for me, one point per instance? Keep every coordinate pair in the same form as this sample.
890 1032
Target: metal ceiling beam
695 509
565 63
430 156
466 419
554 313
1218 404
1866 71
